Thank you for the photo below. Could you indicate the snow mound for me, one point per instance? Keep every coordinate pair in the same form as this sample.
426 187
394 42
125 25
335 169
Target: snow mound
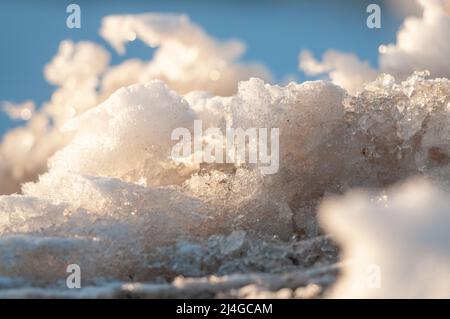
117 204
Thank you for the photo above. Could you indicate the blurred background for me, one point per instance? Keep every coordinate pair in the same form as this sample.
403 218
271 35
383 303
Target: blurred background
30 32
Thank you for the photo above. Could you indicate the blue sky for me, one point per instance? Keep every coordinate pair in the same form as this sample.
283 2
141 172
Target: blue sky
274 32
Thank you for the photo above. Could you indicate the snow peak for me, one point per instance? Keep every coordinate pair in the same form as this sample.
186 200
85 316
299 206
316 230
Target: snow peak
193 309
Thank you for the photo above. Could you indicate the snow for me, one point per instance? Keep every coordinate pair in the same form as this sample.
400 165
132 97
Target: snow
421 44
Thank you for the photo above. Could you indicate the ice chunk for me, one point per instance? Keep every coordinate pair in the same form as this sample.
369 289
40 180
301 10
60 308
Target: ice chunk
345 69
233 242
422 44
186 57
22 111
75 63
128 136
